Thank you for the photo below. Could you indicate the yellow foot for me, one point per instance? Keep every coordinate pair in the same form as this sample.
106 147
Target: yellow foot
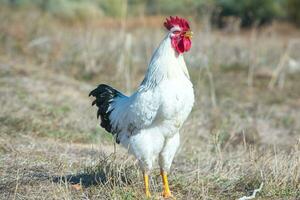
146 183
168 196
148 195
166 191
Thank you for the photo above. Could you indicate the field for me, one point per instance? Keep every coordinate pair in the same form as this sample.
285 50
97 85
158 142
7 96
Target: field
244 129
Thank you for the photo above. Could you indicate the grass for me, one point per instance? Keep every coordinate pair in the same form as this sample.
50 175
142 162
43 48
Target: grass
51 146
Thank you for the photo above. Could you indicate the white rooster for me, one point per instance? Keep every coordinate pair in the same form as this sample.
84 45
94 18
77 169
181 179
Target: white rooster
147 123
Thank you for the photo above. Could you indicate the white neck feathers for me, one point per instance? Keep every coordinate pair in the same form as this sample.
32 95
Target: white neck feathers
165 64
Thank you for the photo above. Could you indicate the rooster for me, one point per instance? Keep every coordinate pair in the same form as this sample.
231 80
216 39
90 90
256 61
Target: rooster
147 123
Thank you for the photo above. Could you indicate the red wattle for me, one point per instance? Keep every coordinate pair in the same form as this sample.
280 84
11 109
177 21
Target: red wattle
187 44
181 44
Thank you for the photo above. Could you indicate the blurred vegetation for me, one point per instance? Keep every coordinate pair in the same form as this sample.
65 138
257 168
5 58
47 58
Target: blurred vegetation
293 10
250 12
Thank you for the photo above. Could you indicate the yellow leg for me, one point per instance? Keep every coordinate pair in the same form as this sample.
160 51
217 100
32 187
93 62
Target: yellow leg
166 189
146 183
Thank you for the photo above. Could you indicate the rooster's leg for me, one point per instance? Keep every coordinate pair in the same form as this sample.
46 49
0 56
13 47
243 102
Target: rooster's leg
146 183
166 190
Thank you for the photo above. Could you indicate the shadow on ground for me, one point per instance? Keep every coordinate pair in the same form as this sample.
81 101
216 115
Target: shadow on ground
100 175
105 176
84 179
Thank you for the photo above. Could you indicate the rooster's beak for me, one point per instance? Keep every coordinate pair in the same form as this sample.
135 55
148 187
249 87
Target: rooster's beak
188 34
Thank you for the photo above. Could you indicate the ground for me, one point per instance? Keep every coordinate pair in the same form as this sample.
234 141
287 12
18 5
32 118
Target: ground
243 131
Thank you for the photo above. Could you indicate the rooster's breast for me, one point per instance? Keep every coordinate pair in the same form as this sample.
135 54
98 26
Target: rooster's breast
177 101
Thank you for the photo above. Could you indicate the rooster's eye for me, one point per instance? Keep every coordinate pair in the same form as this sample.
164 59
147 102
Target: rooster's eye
176 32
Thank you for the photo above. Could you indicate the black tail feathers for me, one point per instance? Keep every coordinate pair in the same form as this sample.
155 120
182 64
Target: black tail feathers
104 95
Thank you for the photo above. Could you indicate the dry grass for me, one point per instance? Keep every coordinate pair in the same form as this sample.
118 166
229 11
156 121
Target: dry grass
239 134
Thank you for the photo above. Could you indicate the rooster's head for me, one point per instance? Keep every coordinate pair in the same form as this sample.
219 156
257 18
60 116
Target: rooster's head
180 33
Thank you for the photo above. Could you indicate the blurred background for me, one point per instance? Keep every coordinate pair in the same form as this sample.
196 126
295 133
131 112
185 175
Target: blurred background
244 63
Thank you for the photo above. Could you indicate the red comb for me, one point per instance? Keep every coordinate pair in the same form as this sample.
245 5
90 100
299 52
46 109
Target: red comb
177 21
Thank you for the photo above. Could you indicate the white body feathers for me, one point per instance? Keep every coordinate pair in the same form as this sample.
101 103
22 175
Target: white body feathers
148 121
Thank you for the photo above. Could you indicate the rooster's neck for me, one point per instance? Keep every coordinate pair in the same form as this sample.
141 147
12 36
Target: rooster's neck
165 63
